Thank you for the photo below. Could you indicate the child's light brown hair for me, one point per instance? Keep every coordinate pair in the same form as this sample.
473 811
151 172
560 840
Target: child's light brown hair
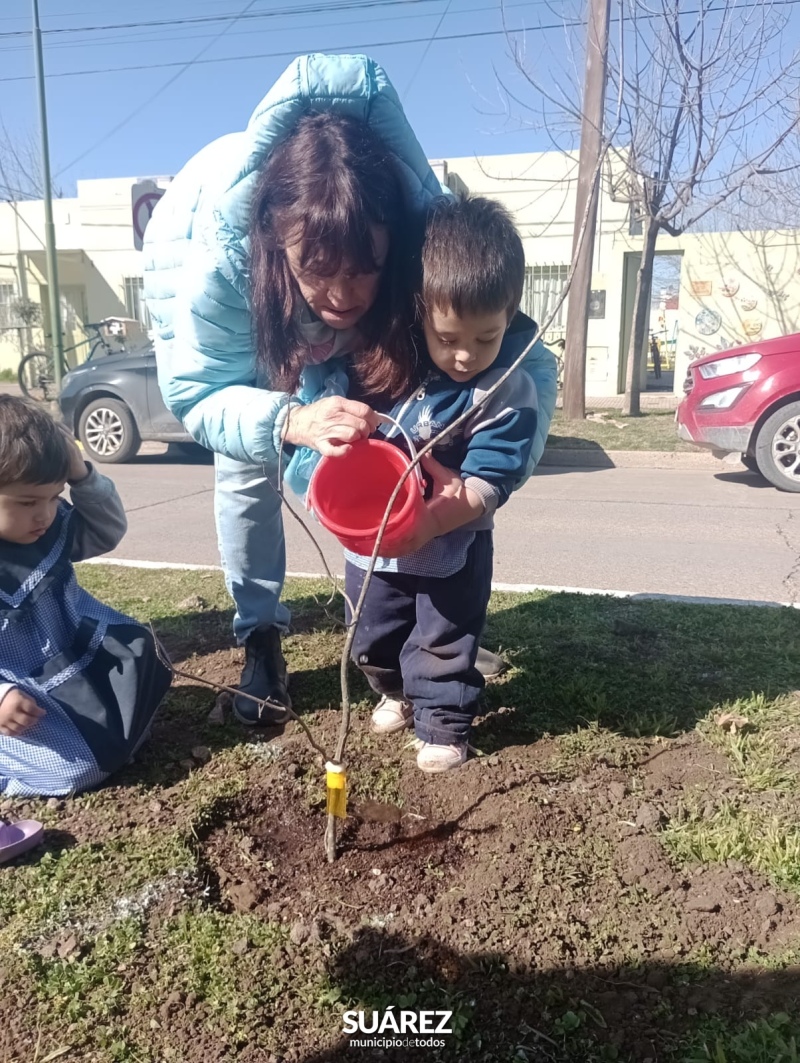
33 449
472 259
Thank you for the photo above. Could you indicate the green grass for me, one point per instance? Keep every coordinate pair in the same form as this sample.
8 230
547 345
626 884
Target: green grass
8 376
599 674
651 431
767 841
769 1040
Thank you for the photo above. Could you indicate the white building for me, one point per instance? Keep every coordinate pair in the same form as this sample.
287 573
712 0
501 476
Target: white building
732 285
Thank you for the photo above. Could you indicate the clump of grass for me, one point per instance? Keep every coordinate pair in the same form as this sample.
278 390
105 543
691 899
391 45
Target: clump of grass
767 843
762 753
79 884
770 1040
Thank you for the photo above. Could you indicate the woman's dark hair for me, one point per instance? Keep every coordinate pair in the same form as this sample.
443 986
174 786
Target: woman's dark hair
473 261
324 187
33 449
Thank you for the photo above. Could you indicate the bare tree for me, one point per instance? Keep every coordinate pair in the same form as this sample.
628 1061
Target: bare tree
710 107
20 167
706 112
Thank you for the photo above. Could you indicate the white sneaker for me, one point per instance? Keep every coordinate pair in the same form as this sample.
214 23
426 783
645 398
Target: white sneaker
432 758
391 715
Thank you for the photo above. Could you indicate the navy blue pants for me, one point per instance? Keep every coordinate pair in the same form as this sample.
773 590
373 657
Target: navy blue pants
419 635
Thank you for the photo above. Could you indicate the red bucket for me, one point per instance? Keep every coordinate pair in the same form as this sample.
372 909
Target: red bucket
349 495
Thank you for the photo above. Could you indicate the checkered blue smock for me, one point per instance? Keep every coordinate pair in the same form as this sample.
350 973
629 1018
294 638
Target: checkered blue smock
93 670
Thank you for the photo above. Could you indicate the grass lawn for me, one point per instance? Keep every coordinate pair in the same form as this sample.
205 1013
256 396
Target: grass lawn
651 431
615 877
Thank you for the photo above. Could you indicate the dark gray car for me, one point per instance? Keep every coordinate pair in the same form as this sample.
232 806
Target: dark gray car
112 403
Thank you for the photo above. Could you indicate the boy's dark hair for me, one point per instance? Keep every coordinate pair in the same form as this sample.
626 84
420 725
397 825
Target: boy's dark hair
33 449
472 258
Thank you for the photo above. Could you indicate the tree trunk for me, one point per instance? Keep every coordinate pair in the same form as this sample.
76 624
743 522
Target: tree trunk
631 407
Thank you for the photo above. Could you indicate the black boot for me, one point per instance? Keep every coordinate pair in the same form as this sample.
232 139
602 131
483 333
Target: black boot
489 664
263 677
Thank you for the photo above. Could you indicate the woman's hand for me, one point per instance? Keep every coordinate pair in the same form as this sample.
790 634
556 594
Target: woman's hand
330 426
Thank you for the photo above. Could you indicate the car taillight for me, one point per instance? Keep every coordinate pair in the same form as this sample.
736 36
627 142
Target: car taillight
688 382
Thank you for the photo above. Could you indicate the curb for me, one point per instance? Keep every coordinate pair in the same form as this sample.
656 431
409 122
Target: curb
636 459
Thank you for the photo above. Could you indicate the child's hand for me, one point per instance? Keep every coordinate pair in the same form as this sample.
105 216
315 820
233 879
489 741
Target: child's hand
78 469
451 505
18 713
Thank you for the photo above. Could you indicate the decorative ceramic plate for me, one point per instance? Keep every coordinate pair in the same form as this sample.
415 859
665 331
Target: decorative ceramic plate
748 304
708 322
752 326
730 286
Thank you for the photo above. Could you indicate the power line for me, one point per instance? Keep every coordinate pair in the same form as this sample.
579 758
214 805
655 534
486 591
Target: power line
146 103
564 24
311 9
424 55
133 41
293 52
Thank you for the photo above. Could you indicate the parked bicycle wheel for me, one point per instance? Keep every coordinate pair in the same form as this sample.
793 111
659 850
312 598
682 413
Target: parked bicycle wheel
36 376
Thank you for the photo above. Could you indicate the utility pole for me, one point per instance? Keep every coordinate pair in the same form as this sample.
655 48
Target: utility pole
49 227
594 96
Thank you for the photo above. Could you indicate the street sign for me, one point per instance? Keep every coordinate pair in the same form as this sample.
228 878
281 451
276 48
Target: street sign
144 196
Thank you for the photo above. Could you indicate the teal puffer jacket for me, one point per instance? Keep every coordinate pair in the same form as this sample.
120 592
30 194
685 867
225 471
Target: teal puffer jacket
196 260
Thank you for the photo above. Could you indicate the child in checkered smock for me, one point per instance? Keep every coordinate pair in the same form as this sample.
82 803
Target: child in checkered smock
79 682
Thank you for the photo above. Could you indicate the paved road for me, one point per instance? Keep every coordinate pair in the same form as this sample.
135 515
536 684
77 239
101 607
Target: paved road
686 532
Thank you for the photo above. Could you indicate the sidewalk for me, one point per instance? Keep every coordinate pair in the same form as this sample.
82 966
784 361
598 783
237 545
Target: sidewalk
650 400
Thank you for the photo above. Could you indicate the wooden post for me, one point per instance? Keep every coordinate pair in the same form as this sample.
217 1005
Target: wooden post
594 95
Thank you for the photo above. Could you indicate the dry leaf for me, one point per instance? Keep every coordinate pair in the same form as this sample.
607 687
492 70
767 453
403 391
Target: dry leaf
732 722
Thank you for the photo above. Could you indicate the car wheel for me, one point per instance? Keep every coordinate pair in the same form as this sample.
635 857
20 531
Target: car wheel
108 432
778 448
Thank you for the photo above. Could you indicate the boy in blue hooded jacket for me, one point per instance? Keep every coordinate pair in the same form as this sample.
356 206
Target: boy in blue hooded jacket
418 635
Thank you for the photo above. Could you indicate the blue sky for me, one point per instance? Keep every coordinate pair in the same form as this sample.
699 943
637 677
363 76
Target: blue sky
449 86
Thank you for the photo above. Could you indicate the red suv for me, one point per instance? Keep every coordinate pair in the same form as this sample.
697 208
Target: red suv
747 401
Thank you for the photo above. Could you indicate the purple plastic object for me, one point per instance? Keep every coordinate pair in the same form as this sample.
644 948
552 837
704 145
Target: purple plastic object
18 838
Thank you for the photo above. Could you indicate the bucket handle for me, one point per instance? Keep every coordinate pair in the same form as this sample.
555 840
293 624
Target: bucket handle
417 470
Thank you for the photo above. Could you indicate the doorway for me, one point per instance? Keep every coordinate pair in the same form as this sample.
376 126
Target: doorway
661 338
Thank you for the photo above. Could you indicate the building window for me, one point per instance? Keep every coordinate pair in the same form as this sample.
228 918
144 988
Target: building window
543 287
135 302
9 318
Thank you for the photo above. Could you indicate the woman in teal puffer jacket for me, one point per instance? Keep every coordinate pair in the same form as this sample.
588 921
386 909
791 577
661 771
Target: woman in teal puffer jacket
278 256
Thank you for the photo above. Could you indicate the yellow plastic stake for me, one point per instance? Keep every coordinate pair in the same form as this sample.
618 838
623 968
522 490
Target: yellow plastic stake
336 781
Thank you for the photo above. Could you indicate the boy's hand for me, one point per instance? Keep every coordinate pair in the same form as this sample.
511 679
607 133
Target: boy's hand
78 469
451 506
18 713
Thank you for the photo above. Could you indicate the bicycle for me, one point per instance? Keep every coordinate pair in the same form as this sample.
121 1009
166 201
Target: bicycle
36 373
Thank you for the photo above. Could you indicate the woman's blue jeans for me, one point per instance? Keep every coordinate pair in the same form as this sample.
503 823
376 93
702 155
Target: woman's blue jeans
247 510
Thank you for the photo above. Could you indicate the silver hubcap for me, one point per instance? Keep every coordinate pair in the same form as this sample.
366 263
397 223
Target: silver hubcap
104 431
786 448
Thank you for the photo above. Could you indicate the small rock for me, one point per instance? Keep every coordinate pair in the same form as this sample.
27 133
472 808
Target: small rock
202 754
68 947
299 933
420 901
54 803
187 765
293 770
244 896
155 806
767 906
649 817
273 910
193 603
704 902
240 947
223 704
